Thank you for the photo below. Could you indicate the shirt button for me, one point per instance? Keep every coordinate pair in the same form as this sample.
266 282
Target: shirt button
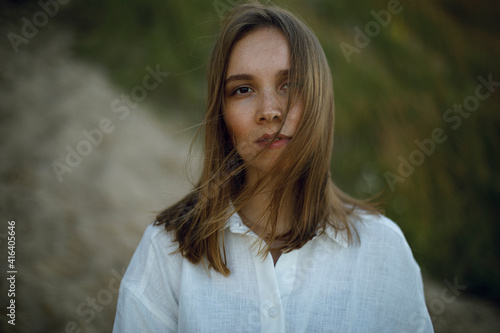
272 312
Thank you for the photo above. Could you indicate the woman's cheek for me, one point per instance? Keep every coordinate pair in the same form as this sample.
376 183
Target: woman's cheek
245 149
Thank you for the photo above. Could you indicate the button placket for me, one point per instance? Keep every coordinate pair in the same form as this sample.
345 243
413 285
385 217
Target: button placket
286 274
270 295
271 306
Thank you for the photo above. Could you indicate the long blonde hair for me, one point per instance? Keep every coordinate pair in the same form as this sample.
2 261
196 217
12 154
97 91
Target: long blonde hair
198 220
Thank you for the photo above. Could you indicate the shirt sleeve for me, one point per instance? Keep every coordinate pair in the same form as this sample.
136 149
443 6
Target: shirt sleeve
148 296
132 315
404 292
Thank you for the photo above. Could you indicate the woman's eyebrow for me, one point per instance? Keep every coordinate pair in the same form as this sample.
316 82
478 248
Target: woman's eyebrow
283 73
242 77
239 77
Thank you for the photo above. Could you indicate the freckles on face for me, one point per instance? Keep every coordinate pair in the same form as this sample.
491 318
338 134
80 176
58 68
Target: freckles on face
256 92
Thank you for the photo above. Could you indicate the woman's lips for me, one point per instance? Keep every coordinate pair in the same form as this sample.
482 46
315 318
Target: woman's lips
279 141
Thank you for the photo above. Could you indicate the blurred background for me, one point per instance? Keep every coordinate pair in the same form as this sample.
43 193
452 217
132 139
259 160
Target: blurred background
99 101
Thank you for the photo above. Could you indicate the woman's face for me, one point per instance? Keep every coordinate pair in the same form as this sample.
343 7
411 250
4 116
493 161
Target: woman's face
256 90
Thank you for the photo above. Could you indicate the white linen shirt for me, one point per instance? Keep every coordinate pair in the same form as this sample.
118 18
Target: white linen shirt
325 286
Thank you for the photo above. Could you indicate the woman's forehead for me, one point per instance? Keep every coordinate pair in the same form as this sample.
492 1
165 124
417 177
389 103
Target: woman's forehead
262 51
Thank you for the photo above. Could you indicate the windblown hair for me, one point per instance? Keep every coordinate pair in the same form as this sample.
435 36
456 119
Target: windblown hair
198 220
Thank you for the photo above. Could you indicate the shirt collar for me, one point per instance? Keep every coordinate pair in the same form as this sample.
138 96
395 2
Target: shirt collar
236 225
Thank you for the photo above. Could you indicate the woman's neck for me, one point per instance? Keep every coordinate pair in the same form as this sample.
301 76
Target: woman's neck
253 215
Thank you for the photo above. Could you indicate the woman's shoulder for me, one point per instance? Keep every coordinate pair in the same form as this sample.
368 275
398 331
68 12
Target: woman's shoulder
157 235
380 236
155 240
156 249
378 227
150 284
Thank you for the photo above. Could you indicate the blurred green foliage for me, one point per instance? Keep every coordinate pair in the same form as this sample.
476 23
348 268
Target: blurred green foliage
393 92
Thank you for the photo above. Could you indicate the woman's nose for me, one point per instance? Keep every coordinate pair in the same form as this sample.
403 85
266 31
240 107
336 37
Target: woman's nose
270 107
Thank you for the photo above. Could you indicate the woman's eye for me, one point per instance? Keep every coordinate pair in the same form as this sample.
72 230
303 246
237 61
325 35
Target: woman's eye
242 91
285 87
296 86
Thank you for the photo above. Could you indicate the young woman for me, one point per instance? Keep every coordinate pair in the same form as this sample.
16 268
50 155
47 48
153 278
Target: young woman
266 242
